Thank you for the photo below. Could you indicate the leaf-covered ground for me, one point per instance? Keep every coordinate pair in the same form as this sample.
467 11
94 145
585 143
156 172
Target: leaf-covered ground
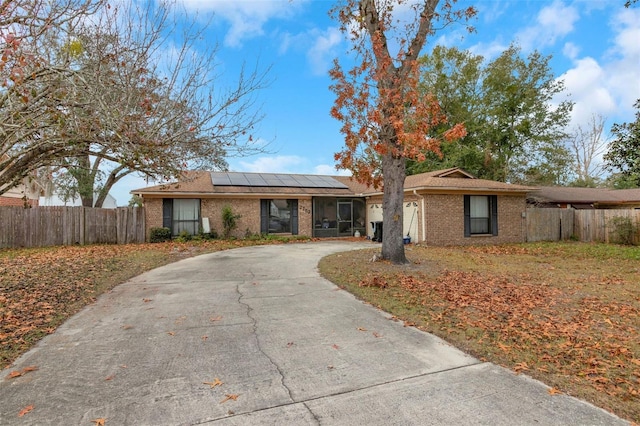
40 288
566 314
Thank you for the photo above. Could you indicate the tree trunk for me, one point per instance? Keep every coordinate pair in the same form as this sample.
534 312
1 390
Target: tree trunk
392 209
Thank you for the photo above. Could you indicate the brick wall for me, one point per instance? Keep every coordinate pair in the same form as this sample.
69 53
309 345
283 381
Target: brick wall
444 217
153 213
249 209
16 202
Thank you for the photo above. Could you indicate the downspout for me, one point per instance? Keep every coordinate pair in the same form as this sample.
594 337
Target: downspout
424 228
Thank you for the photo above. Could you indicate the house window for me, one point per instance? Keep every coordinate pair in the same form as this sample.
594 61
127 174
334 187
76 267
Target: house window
181 214
480 215
279 217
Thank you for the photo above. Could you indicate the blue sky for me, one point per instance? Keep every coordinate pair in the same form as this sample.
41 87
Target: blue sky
595 47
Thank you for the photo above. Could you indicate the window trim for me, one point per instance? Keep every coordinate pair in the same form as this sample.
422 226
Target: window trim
493 215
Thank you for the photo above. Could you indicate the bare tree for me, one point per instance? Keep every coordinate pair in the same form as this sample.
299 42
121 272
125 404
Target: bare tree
138 92
27 81
588 145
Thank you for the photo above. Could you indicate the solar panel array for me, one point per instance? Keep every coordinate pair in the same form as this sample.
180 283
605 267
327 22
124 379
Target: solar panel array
275 180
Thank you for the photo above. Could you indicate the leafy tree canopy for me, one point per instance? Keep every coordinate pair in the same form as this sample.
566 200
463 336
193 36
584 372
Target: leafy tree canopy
623 155
514 133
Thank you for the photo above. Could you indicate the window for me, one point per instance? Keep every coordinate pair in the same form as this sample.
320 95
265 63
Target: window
181 215
480 215
279 216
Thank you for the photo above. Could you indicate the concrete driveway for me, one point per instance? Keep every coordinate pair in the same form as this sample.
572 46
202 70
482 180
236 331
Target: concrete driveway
254 336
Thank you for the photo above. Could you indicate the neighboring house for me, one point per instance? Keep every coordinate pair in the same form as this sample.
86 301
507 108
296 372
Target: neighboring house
54 200
441 208
585 198
25 194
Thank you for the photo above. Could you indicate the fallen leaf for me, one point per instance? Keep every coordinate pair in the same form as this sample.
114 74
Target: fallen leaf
216 382
22 372
554 391
147 300
375 334
230 396
520 367
334 346
25 410
110 377
504 348
171 333
99 422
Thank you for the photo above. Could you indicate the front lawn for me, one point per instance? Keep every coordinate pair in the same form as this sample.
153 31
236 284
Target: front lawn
567 314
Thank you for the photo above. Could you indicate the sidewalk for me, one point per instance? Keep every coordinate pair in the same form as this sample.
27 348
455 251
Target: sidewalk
254 336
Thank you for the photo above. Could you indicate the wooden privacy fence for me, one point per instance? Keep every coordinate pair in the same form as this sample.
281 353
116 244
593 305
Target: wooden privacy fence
52 226
581 225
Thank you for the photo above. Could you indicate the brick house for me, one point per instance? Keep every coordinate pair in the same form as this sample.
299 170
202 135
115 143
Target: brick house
446 207
23 195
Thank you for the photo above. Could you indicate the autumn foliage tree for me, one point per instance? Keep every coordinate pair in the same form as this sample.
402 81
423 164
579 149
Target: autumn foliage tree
386 120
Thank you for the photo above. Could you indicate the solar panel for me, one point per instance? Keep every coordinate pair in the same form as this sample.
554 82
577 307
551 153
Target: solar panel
275 180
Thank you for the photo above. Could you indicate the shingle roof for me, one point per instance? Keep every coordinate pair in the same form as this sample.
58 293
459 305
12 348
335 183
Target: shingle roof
200 182
559 194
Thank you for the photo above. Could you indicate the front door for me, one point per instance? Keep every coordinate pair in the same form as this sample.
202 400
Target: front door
345 218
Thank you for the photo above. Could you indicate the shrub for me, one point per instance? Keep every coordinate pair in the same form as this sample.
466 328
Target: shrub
183 237
159 235
623 230
229 220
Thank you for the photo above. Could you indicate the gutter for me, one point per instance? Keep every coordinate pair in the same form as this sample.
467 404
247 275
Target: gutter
422 215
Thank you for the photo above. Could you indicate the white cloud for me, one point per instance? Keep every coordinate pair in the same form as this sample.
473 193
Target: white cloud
610 85
274 164
552 23
570 50
325 169
623 68
324 49
586 84
287 164
246 18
